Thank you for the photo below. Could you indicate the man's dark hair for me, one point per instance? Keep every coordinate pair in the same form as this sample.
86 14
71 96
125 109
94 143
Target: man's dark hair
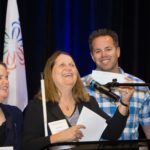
103 32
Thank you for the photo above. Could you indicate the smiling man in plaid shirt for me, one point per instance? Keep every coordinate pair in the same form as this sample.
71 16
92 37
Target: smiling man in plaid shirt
105 51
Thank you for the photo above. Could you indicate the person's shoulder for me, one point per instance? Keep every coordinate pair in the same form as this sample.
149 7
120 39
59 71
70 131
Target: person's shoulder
92 104
92 100
14 112
12 109
34 103
134 78
85 79
32 107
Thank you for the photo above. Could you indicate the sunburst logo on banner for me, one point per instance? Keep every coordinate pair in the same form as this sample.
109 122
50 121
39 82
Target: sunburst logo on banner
13 47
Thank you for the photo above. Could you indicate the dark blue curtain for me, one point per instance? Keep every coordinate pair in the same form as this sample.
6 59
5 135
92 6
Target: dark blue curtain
72 23
49 25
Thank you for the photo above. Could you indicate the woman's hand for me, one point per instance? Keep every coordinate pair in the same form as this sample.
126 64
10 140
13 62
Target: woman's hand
126 93
68 135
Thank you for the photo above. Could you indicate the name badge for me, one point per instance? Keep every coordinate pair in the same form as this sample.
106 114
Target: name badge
7 148
57 126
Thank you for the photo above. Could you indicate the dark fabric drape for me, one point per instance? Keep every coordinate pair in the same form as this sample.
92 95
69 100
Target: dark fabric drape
48 25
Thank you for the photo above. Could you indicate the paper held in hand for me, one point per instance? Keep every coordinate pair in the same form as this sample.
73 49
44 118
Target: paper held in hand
95 125
103 77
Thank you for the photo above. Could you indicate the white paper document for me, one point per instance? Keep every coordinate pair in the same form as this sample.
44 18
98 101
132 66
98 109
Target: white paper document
103 77
57 126
7 148
94 124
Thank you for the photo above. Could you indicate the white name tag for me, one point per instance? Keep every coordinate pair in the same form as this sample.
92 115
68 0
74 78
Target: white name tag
6 148
57 126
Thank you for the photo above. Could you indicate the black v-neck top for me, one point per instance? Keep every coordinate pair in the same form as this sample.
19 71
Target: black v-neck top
33 135
2 134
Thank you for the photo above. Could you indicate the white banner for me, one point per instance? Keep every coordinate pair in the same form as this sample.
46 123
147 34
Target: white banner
13 56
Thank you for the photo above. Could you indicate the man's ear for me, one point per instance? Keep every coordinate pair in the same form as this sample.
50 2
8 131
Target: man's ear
92 56
118 51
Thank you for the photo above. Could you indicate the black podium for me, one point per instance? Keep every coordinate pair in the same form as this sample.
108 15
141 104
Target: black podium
104 145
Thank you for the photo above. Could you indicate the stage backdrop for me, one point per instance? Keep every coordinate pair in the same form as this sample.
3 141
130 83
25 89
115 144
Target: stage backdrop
48 25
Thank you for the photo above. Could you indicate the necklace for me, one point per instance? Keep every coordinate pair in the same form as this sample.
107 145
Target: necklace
67 108
67 105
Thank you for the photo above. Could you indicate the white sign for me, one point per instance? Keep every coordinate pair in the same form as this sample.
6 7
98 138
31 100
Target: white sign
105 77
57 126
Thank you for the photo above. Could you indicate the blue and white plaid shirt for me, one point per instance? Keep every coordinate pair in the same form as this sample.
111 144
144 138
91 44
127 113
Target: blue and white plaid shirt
139 106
